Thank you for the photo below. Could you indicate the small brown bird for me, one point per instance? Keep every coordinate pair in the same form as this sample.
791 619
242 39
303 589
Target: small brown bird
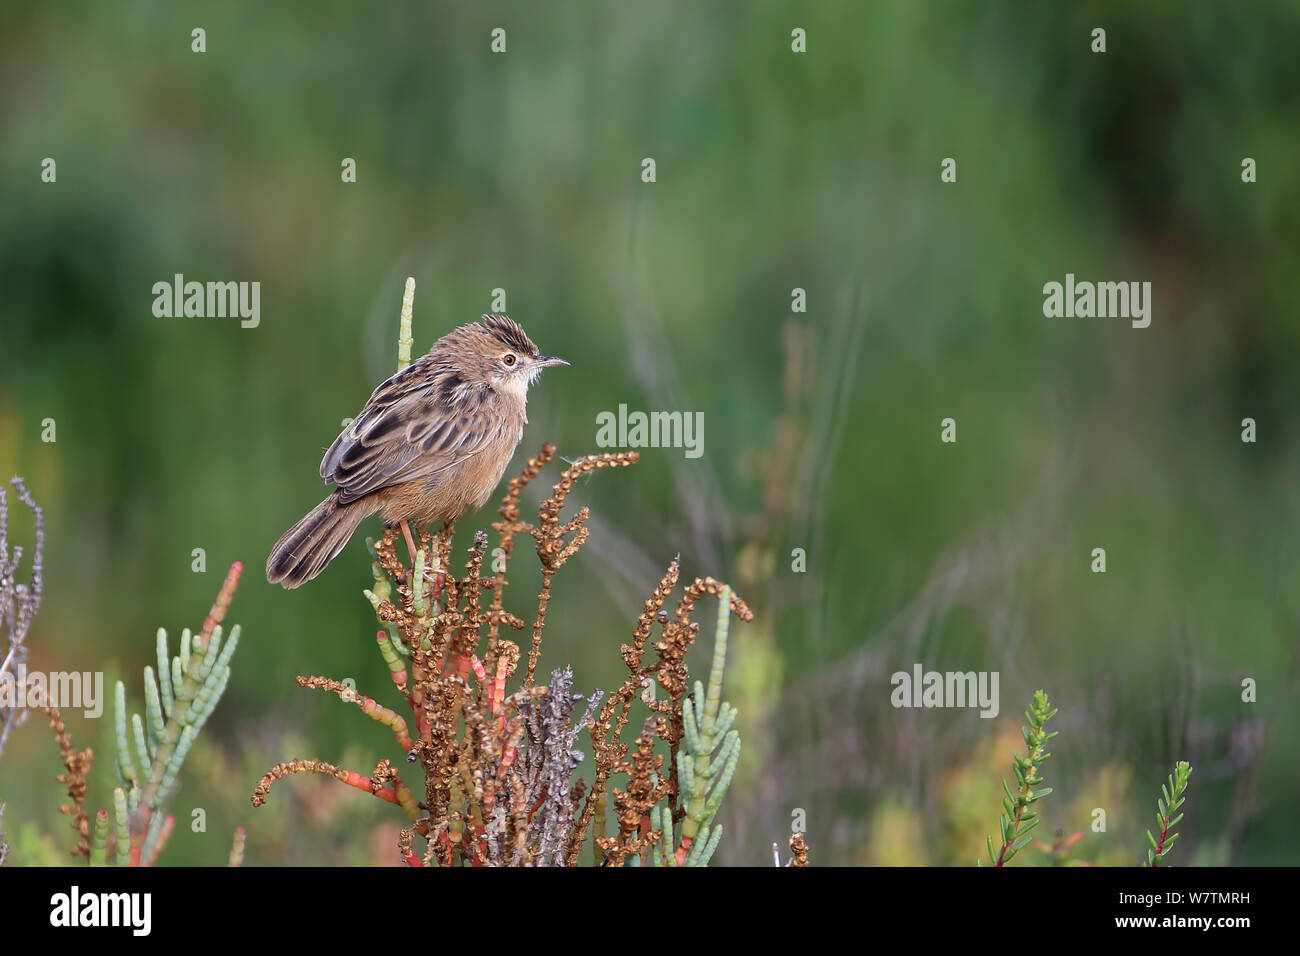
431 444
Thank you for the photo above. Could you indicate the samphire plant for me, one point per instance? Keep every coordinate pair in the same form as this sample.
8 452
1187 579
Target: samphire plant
499 748
150 749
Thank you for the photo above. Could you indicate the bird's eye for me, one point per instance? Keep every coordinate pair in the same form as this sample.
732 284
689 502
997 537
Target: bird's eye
508 360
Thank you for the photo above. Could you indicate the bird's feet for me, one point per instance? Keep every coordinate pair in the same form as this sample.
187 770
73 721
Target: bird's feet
434 577
410 541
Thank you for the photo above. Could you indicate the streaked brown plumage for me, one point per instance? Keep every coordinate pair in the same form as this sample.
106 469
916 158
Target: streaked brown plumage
431 444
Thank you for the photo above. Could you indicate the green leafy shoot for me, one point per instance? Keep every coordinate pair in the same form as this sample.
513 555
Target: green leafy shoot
1018 818
1171 799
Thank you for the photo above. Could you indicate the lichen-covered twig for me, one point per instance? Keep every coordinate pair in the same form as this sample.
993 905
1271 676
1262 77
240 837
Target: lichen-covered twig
550 763
19 601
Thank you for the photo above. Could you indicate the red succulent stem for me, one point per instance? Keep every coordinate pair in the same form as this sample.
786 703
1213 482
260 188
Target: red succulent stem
1164 833
222 603
167 826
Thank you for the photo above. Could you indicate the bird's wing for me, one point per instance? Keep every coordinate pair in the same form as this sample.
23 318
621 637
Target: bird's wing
408 429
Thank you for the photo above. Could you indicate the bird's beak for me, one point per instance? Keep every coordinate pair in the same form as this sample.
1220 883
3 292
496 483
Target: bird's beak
543 361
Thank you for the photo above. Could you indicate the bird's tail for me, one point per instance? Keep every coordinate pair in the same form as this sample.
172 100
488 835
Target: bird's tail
315 541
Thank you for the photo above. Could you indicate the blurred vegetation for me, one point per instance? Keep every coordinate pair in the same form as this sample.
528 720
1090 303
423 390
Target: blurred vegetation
775 171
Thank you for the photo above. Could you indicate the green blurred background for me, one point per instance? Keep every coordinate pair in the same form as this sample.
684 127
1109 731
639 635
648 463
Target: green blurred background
775 170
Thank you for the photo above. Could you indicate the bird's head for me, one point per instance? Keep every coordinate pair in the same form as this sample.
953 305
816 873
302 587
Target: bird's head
495 352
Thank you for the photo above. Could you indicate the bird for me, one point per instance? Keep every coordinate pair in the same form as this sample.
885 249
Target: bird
431 444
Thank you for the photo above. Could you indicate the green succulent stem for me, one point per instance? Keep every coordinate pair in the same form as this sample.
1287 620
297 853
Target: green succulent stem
404 337
704 775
